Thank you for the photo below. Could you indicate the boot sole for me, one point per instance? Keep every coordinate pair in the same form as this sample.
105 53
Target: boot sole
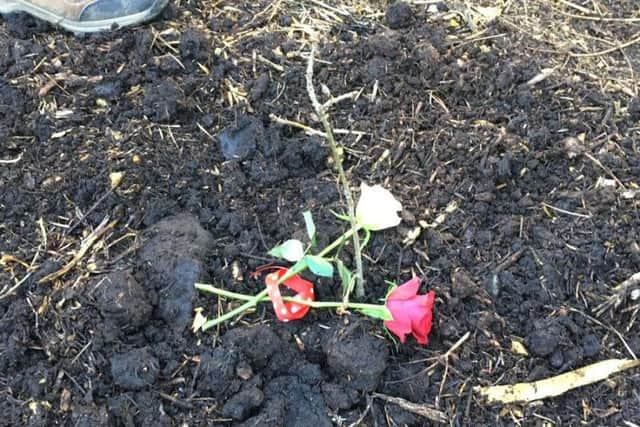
83 26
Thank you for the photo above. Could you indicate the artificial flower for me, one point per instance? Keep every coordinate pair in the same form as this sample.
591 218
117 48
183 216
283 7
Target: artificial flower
412 313
289 310
377 209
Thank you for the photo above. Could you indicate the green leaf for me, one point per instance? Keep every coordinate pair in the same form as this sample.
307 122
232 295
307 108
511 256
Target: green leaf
346 276
319 266
291 250
378 313
311 226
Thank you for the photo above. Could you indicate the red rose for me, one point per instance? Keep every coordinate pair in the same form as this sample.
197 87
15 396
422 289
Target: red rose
411 312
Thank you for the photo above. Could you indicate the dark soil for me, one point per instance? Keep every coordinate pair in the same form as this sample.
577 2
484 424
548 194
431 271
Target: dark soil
520 210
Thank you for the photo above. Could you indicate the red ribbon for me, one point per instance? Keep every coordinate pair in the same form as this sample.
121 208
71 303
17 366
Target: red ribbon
289 310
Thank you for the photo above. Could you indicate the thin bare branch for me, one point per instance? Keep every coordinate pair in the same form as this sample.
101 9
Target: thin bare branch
344 182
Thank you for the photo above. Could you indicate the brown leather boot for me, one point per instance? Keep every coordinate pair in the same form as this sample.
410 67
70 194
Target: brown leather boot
86 16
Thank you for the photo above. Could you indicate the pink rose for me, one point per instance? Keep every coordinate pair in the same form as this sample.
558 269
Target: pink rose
412 313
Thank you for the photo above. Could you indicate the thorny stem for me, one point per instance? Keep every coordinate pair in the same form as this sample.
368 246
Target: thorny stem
315 304
254 300
337 160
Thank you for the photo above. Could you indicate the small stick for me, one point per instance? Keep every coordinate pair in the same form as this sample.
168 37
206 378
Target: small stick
358 422
509 261
311 131
11 161
597 18
12 289
447 354
610 328
87 213
337 99
546 205
576 6
114 185
621 292
606 169
86 244
308 130
419 409
556 385
634 40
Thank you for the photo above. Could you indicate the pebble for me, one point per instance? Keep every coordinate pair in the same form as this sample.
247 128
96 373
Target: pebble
239 142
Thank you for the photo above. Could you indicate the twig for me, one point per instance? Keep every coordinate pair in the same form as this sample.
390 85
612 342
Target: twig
331 8
556 385
508 261
445 355
86 244
419 409
548 206
620 294
604 168
597 18
442 359
610 328
88 212
335 152
180 403
82 350
364 413
12 289
11 161
634 40
576 6
308 130
311 131
338 99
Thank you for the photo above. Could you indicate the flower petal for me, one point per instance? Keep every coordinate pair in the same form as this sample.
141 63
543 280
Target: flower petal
421 323
412 313
397 328
377 208
401 323
406 291
421 327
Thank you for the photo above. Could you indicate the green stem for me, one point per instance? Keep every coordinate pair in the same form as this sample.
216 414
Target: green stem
236 311
254 300
336 304
340 240
314 304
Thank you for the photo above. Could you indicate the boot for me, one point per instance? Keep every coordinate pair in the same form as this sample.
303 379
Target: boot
87 16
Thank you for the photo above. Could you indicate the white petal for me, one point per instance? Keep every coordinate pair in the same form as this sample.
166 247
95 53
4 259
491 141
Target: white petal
377 209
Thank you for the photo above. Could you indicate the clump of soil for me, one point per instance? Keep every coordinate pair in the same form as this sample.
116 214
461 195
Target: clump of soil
357 360
121 300
399 15
135 369
171 262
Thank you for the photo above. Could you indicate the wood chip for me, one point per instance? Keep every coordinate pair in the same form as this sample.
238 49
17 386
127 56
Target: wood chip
555 386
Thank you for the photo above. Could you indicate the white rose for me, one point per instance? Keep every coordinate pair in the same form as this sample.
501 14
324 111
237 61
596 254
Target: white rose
377 209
